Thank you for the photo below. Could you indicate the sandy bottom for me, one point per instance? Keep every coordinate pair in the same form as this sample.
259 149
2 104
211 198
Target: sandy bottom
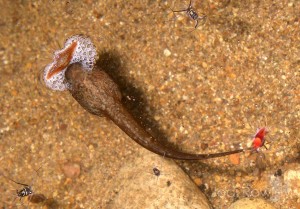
205 90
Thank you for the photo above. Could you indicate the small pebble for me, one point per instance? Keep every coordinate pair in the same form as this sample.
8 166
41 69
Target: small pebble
71 170
292 179
234 159
167 52
198 181
253 203
217 178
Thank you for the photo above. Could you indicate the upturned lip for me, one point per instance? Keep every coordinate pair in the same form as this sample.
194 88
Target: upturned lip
62 59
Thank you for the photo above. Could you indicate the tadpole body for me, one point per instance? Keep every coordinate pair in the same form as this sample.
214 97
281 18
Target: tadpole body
97 93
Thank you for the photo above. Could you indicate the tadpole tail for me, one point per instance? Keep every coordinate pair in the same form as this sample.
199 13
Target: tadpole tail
125 121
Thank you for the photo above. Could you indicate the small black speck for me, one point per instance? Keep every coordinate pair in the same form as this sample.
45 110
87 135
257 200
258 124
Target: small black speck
122 37
278 172
266 194
202 187
169 183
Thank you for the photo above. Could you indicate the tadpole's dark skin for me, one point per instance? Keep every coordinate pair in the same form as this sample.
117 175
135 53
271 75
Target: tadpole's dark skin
97 93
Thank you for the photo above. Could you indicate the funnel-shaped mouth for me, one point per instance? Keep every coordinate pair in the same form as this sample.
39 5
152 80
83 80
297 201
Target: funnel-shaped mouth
77 48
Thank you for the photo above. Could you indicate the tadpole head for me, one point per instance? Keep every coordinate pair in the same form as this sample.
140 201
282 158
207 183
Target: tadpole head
74 74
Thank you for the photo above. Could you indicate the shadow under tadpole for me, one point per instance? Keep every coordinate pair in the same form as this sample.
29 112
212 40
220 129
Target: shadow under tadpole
132 98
